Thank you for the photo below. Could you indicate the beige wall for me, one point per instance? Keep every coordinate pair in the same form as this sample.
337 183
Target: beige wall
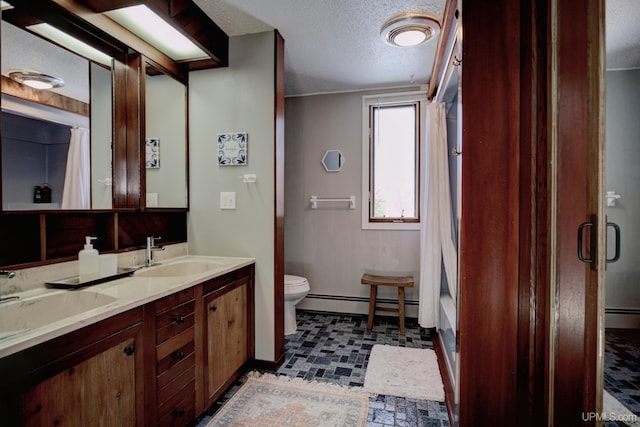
327 245
239 98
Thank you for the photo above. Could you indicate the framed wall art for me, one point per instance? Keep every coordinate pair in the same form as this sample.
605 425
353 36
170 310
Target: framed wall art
232 149
152 152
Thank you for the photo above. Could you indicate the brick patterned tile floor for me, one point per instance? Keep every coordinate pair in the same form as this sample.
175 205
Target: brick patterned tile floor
335 348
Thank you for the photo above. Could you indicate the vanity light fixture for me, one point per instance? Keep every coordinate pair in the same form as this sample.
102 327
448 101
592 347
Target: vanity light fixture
35 79
150 27
73 44
409 30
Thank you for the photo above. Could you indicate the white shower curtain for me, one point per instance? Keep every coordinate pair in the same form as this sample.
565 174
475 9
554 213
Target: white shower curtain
436 248
77 180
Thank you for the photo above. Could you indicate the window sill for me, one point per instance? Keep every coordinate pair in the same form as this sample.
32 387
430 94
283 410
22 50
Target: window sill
396 226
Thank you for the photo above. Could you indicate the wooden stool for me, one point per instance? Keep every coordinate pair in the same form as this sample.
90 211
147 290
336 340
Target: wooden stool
400 282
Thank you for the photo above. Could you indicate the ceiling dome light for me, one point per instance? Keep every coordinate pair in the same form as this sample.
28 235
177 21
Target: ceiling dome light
409 30
35 79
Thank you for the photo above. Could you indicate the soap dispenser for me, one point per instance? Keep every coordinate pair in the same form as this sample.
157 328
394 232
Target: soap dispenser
88 261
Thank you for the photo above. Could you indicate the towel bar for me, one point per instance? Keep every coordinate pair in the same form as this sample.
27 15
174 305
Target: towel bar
315 199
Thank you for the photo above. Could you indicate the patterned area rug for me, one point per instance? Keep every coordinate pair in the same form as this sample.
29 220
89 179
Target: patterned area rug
278 401
405 372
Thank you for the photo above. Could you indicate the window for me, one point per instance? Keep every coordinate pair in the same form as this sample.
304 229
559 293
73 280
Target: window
391 161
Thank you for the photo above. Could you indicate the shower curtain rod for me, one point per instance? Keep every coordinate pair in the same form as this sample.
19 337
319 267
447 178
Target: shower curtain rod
444 81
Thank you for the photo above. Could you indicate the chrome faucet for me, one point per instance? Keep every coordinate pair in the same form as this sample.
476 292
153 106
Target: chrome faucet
8 274
151 248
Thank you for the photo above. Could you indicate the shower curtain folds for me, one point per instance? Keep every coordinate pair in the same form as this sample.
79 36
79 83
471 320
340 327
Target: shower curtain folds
437 247
77 180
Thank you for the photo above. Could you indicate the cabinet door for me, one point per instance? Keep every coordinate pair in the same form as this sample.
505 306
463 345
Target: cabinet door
100 390
226 337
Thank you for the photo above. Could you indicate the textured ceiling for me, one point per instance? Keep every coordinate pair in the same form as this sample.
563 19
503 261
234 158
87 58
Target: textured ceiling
22 50
333 45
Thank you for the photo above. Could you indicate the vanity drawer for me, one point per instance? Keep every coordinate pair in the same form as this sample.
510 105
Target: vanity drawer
174 321
174 300
180 408
174 363
176 385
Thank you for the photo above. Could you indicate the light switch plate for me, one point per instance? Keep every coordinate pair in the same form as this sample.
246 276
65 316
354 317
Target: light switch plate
227 200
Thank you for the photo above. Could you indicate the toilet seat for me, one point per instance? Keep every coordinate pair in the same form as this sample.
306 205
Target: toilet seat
295 284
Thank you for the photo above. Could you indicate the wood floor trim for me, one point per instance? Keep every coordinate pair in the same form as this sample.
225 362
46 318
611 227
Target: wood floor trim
449 393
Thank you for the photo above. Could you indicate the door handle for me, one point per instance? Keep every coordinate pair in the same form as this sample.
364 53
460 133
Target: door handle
593 242
616 256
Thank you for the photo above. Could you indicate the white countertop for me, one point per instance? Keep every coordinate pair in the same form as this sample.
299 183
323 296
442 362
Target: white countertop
128 292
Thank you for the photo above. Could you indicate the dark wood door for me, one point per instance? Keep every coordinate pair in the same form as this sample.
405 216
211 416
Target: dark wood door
531 313
576 116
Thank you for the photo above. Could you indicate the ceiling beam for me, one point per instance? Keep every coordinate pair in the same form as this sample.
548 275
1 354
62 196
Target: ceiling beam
43 97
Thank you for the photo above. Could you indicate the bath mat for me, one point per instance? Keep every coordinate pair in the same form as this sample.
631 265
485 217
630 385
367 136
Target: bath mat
278 401
405 372
614 410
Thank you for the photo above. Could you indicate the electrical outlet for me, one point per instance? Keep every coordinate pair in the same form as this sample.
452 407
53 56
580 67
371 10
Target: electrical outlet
152 200
227 200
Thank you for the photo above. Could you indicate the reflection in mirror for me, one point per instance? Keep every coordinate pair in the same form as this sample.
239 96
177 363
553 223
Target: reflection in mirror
333 160
34 156
101 138
46 144
166 142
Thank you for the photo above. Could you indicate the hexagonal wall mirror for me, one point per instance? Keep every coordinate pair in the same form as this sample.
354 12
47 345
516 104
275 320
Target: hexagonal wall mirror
333 160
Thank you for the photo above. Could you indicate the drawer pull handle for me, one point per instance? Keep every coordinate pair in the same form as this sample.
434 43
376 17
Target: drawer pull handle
129 350
178 355
213 308
179 320
177 412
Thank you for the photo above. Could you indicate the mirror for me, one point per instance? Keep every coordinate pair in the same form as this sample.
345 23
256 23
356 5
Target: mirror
333 160
166 141
101 138
36 138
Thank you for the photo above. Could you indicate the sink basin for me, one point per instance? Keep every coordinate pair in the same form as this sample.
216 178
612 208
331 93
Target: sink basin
34 312
184 268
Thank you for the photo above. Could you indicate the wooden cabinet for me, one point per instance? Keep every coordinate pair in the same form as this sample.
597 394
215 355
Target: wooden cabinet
228 337
161 364
99 390
88 377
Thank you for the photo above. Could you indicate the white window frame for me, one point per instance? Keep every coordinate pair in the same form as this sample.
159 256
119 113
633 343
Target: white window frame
381 100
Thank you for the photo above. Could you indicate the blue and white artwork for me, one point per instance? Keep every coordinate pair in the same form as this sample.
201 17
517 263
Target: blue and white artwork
152 149
232 149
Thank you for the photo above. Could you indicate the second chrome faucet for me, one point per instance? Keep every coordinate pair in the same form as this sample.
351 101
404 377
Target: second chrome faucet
151 248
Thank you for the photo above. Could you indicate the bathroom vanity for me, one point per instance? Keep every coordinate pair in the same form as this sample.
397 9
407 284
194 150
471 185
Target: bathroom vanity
162 348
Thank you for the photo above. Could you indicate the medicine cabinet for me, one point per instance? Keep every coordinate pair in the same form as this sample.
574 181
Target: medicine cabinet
119 182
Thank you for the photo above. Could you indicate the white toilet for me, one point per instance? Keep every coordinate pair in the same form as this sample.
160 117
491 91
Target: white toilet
295 289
